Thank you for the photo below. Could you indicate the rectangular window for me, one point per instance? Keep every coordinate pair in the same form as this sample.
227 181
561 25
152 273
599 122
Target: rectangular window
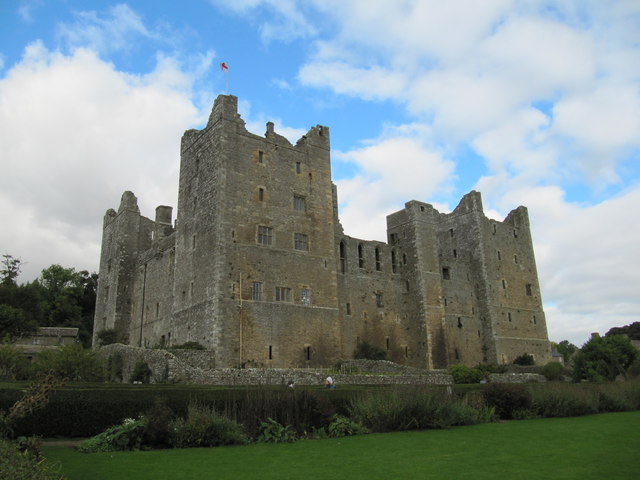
261 194
298 167
283 294
446 275
348 309
299 203
379 302
301 242
260 156
256 291
265 235
305 296
528 289
270 352
378 264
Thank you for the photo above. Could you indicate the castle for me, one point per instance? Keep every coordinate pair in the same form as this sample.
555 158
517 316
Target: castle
258 270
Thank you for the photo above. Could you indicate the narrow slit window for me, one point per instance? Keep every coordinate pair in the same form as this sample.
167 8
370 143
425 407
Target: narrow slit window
446 274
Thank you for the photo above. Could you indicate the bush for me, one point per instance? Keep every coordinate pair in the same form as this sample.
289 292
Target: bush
13 364
274 432
19 465
342 426
524 360
410 408
553 371
141 372
464 374
126 436
369 352
157 433
559 400
71 362
204 427
107 337
115 365
508 399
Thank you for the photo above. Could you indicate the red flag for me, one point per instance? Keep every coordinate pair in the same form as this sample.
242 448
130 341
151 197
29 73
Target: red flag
224 67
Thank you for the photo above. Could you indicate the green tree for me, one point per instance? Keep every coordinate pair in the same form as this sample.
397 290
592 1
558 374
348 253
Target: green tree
10 269
71 362
632 331
604 358
566 349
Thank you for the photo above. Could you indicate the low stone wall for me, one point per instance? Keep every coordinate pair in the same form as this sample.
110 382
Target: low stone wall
193 366
516 378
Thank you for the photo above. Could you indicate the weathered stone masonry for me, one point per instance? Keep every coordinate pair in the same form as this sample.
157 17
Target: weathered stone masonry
258 269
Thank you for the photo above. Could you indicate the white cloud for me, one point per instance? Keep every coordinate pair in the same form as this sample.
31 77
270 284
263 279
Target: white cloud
391 170
76 133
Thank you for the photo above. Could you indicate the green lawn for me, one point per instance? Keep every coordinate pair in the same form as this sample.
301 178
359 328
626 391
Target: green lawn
595 447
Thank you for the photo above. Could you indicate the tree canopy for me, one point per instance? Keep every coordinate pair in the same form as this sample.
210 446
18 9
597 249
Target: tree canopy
604 358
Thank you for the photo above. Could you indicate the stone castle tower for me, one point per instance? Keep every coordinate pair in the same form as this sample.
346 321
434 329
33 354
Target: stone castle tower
258 269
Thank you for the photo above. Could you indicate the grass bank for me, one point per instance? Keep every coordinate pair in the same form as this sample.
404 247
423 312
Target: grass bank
590 447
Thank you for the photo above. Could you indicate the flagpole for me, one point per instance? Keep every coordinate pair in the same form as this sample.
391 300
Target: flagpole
225 68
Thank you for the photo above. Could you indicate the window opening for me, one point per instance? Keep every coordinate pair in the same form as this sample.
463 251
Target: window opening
299 203
305 296
298 167
528 289
394 264
270 352
360 256
261 194
446 275
265 235
307 353
256 291
301 242
343 258
283 294
348 309
378 264
260 156
459 322
379 302
388 343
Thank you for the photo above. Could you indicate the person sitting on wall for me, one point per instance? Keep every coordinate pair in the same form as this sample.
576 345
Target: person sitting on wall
328 383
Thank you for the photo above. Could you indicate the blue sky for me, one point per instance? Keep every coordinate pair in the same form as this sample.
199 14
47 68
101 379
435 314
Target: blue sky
532 103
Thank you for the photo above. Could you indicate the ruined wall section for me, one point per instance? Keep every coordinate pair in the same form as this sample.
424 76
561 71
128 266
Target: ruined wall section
282 279
125 234
519 324
372 298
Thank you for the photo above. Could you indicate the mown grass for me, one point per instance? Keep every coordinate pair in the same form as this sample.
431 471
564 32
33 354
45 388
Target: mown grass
590 447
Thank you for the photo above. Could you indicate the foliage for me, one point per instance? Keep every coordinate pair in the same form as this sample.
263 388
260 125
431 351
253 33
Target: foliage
563 400
126 436
566 349
35 397
204 427
273 432
553 371
60 297
632 331
72 362
18 464
410 408
369 352
13 364
188 346
141 372
508 399
107 337
524 360
342 426
464 374
157 433
10 269
604 358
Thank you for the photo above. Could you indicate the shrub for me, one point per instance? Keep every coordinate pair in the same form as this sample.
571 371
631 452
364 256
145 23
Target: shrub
410 408
114 367
553 371
126 436
342 426
157 433
107 337
464 374
19 465
13 364
141 372
71 362
559 400
369 352
508 398
204 427
274 432
524 360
